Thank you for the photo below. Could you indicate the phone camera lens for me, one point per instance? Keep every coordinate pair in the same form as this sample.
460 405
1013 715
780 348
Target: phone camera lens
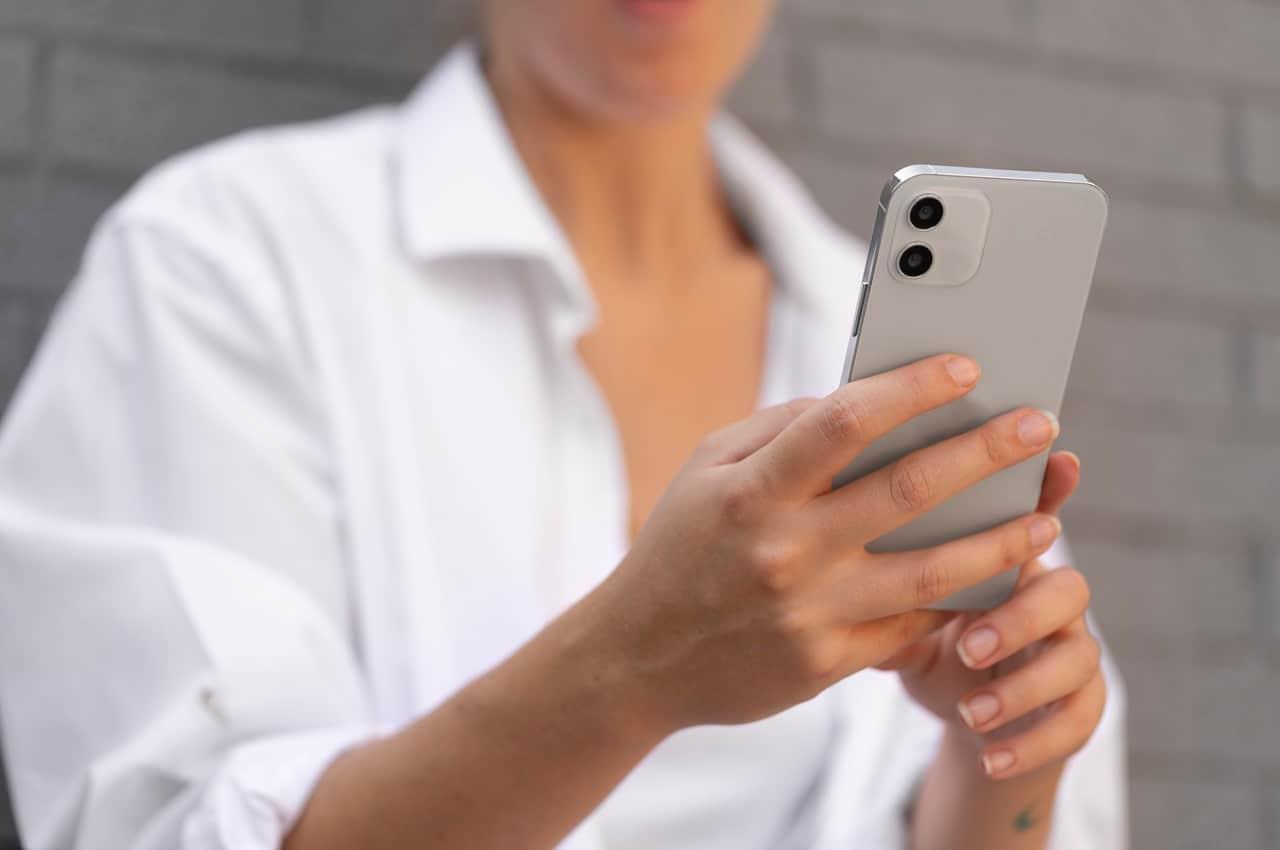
926 213
915 260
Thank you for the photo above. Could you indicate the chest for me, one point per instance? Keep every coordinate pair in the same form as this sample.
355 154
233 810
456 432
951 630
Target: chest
674 366
536 434
511 442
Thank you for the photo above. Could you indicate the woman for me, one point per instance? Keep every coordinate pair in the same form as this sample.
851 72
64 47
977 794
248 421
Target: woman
361 496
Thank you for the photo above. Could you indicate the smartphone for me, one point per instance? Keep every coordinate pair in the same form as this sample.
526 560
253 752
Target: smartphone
993 264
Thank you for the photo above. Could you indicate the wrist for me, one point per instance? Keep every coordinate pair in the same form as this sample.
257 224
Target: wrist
580 671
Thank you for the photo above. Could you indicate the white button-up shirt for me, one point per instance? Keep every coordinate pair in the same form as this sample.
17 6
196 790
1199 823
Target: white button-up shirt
308 446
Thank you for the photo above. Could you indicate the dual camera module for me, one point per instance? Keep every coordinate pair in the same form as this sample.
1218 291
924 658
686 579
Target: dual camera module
917 259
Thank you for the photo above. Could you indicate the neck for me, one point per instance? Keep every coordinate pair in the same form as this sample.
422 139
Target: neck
640 203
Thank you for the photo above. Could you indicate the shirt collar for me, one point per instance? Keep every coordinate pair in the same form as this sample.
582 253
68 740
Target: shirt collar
463 191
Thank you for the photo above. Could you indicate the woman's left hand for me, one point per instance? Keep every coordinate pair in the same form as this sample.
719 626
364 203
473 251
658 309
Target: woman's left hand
1023 681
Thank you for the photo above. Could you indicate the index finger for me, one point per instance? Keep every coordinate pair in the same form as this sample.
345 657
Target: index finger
802 461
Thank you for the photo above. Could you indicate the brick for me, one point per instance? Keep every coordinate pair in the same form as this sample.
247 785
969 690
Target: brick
1271 832
987 18
1261 147
1173 815
1138 359
394 35
1203 253
950 111
17 60
1233 38
242 25
1144 591
44 229
1210 712
113 112
1146 474
1266 370
1269 566
765 93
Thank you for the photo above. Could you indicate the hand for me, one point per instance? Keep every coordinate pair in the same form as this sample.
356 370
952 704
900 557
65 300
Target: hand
750 588
1022 682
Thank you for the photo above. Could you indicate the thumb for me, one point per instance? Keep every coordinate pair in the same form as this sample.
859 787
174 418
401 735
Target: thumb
923 653
745 437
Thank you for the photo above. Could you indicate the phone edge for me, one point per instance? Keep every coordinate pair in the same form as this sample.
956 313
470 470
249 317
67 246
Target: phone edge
901 176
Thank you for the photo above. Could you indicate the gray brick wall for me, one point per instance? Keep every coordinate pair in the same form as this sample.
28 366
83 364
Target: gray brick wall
1174 105
17 62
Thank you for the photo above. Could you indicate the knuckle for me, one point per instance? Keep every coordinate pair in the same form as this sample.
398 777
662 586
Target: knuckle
775 566
711 445
1081 659
797 406
793 628
995 446
822 662
815 659
1017 622
918 387
1100 703
931 582
1012 548
741 502
904 630
1091 654
843 419
1024 623
1081 726
1084 718
909 486
1076 585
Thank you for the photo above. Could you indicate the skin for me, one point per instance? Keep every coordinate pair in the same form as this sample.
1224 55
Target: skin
748 588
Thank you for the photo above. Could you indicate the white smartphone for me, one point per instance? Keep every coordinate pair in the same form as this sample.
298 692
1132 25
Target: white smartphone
996 265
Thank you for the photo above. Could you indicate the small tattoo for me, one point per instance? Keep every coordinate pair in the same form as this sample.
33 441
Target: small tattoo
1026 819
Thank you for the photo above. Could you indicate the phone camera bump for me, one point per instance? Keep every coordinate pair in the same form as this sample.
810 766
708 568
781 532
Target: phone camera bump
915 260
925 213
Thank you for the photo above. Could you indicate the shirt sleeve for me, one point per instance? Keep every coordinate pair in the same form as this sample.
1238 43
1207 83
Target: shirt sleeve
1093 800
176 668
885 744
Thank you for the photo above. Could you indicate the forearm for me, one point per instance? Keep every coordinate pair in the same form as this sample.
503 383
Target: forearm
959 808
515 760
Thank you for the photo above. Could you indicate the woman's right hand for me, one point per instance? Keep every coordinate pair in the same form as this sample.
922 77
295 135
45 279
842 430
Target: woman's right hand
750 588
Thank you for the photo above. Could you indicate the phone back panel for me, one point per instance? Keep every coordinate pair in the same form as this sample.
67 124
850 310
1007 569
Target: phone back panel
1018 316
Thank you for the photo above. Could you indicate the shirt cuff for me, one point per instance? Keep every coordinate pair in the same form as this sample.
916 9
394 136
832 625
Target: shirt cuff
257 795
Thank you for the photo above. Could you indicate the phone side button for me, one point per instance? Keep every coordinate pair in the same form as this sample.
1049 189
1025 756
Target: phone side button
849 354
863 296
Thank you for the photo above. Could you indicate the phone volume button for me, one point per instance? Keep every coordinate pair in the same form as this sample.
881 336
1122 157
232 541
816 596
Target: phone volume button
864 295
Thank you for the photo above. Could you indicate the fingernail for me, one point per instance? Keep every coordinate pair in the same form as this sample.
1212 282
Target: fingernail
1036 429
997 762
1044 530
977 646
963 371
979 709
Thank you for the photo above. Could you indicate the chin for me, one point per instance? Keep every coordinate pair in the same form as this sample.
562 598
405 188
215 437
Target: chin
634 61
624 83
